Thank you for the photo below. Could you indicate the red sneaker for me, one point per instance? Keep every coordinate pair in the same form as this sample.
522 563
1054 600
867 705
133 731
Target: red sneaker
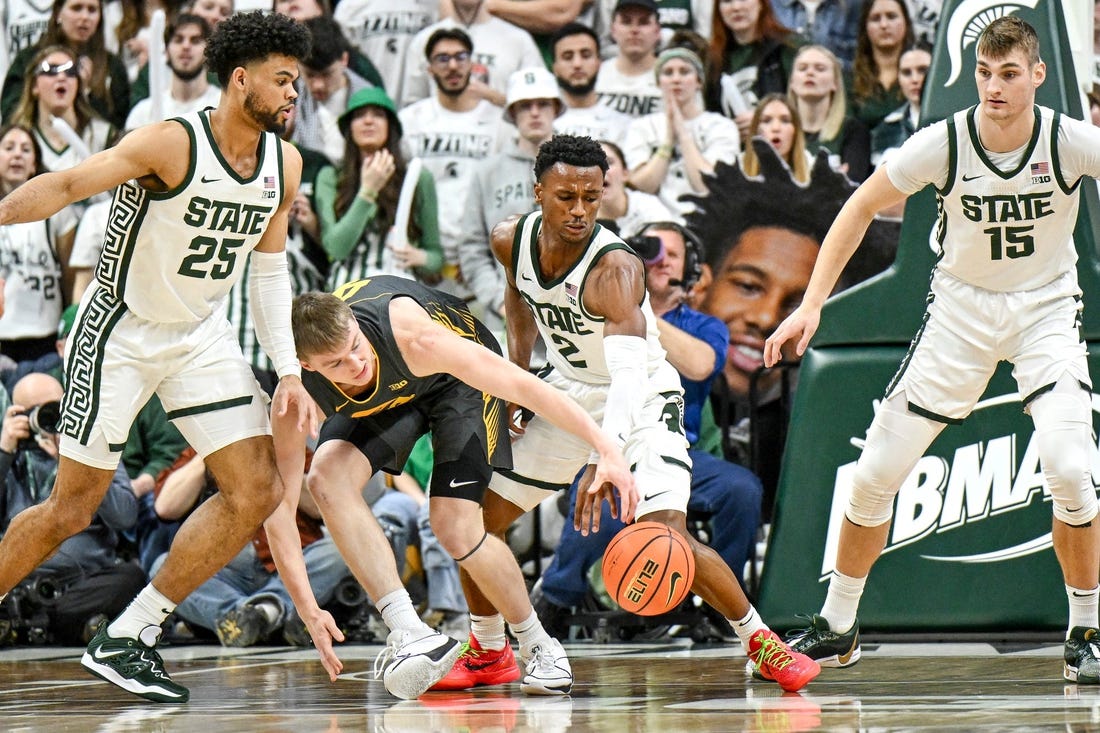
777 661
477 666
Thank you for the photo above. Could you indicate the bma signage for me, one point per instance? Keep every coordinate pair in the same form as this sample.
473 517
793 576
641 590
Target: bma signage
975 487
969 546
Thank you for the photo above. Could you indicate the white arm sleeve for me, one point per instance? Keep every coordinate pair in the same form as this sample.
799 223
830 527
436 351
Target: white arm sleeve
626 361
269 305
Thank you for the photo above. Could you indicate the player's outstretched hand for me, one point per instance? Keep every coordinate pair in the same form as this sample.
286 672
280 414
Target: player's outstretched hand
613 470
291 393
592 491
323 630
800 325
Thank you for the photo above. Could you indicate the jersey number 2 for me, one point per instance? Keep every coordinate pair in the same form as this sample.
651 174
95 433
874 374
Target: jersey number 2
199 265
566 348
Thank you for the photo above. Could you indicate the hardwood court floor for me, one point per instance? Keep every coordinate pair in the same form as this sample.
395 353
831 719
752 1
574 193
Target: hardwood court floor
620 688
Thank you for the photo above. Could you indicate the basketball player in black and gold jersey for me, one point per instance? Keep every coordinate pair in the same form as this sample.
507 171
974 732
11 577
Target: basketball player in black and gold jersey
388 360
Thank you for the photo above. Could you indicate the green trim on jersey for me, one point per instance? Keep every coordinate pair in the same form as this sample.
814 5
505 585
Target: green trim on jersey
1055 162
517 240
192 163
119 248
279 168
210 407
918 410
205 117
908 358
527 481
83 380
119 243
673 462
972 128
952 157
1038 393
591 265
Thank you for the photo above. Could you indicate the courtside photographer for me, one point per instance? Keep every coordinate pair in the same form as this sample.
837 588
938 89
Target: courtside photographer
84 583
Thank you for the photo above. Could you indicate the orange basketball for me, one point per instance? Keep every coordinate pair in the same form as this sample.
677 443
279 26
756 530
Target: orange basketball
648 569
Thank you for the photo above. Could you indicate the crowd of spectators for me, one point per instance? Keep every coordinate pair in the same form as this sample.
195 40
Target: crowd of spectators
418 122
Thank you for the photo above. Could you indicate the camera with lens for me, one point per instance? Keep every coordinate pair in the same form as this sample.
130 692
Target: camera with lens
650 248
44 420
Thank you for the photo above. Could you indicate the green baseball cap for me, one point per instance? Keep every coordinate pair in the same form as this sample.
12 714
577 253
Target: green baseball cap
65 325
370 97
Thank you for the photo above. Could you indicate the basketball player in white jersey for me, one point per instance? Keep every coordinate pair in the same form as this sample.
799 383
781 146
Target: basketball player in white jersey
580 288
1005 288
197 197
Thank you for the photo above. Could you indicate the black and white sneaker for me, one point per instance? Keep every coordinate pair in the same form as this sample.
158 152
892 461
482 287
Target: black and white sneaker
1082 656
547 670
414 661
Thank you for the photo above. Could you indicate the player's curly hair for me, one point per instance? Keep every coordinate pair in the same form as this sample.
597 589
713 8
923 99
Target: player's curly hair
246 37
582 152
736 203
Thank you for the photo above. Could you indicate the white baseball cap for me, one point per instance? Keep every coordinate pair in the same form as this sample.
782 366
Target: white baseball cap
533 83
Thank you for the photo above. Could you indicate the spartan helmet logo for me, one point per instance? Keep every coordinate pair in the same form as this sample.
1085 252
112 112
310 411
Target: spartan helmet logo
968 20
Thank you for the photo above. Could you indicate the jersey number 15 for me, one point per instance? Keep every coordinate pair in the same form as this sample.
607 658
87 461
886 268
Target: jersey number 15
1011 242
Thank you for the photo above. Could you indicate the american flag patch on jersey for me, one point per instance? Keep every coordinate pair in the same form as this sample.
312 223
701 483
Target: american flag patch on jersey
269 181
1040 169
571 289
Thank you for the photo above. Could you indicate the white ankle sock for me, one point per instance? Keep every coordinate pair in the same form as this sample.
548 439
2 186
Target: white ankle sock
270 611
398 612
143 617
842 601
489 631
747 626
1082 607
529 632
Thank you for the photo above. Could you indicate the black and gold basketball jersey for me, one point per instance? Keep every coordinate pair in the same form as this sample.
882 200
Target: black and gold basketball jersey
395 385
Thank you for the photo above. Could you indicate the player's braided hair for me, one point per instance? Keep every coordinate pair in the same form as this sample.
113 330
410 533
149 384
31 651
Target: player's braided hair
246 37
736 203
582 152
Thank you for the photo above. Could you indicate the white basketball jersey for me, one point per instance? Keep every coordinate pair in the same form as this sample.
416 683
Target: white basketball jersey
573 336
173 256
1006 230
31 271
382 31
24 23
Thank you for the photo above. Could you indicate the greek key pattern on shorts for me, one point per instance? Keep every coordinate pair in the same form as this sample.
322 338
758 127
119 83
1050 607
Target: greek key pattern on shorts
85 364
127 210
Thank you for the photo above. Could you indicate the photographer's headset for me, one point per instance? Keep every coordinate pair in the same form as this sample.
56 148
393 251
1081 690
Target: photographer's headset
693 251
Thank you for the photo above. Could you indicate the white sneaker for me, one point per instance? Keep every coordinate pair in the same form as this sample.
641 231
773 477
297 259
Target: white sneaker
547 669
414 661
